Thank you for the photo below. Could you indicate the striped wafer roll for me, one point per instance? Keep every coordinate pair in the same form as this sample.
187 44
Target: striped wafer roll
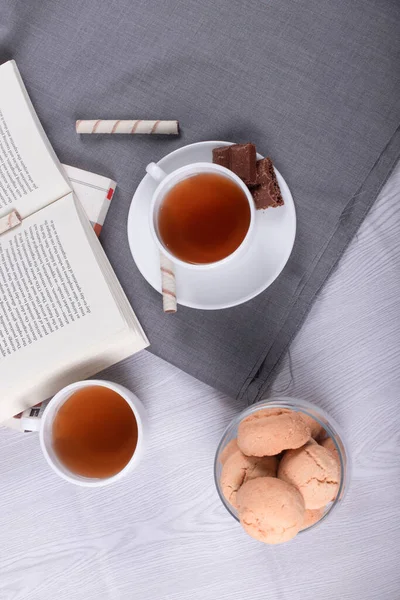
168 284
128 127
9 221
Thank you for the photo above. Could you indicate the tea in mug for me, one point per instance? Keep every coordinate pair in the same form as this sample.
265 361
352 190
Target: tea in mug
95 432
204 218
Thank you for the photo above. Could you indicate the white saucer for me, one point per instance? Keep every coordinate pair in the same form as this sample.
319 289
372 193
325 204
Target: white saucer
227 285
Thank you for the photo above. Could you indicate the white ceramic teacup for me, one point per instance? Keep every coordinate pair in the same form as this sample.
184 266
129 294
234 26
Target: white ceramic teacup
43 423
167 181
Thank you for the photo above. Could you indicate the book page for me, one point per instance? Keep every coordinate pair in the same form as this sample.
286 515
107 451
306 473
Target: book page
30 175
58 319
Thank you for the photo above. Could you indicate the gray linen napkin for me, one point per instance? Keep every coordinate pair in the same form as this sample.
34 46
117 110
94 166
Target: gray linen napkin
314 83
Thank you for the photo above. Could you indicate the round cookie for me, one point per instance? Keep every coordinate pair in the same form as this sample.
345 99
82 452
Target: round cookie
315 427
269 431
311 516
314 471
229 449
330 445
239 468
270 510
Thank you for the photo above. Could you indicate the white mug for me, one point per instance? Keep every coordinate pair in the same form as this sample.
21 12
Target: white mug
43 422
167 182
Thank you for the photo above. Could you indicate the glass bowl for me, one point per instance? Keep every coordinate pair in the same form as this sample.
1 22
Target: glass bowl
330 426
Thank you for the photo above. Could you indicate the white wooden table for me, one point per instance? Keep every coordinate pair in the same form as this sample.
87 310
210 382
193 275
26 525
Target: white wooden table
162 534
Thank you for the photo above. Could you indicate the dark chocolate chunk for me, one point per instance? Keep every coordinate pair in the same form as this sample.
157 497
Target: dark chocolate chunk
221 156
239 158
243 162
267 192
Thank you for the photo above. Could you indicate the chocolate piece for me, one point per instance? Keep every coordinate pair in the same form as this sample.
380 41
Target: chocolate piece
267 192
243 162
221 156
239 158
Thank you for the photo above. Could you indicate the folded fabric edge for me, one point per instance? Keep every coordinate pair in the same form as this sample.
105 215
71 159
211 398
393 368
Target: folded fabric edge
357 208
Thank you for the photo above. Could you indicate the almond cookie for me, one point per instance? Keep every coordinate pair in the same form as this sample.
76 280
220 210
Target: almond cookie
315 427
330 445
270 510
314 471
229 449
269 431
311 516
239 468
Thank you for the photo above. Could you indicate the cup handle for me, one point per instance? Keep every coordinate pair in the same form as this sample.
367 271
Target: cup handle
156 172
32 417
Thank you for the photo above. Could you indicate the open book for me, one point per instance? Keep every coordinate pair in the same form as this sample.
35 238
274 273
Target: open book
63 313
